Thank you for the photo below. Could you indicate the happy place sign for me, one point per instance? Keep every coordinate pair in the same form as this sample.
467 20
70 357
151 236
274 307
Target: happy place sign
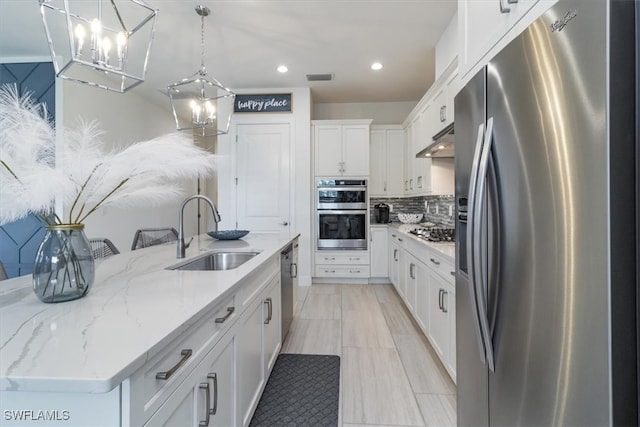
263 103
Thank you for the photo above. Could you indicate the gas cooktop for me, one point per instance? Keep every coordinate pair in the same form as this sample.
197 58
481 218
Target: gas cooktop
435 234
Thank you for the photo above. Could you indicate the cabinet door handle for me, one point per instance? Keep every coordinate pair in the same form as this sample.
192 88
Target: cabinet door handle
294 270
503 8
444 294
436 262
207 393
385 186
411 272
453 273
230 311
399 240
214 377
395 255
269 303
186 354
440 299
411 184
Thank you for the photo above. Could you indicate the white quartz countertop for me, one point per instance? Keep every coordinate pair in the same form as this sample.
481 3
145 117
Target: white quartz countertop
447 249
134 308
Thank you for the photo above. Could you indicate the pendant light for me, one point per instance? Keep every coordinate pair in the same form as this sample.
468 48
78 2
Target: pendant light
98 42
194 99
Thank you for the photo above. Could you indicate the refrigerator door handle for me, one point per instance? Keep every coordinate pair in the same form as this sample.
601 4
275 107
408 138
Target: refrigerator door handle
473 181
480 261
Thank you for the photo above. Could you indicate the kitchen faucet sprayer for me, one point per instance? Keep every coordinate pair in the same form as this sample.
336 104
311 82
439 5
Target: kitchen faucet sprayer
216 218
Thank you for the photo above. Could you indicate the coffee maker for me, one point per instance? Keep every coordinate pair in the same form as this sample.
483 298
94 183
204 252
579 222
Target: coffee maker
381 212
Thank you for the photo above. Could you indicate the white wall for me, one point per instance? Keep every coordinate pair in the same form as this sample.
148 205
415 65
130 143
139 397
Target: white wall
447 47
125 118
300 122
382 113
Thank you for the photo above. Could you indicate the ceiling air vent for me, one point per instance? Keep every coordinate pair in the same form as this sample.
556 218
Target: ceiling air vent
319 77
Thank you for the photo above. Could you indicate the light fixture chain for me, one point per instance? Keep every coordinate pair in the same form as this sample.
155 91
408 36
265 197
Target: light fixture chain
202 42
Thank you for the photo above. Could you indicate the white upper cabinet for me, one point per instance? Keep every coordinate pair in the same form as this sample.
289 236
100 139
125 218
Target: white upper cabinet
386 161
487 24
341 147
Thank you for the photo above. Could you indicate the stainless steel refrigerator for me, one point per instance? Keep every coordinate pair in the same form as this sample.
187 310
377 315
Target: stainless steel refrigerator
546 225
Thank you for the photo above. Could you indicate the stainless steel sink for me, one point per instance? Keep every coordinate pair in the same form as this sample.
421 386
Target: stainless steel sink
216 261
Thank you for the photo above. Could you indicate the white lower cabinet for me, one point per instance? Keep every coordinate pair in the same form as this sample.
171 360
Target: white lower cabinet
250 365
423 278
272 315
206 397
262 325
379 251
342 264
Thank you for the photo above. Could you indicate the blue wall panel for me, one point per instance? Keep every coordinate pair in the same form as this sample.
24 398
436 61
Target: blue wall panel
19 240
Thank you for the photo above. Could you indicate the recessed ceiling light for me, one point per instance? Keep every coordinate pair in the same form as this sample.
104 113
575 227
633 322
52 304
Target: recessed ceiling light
376 66
282 69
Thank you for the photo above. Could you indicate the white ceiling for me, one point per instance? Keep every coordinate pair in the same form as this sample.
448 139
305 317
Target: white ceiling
247 39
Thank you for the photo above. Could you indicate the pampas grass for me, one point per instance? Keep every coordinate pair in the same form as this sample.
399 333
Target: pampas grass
85 175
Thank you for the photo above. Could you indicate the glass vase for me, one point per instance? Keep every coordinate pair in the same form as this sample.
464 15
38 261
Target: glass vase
64 268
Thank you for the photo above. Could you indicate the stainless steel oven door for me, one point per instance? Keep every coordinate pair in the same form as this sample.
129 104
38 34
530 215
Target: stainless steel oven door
342 229
347 197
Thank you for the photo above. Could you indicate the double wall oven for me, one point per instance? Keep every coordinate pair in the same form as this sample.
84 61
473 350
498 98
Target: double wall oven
341 214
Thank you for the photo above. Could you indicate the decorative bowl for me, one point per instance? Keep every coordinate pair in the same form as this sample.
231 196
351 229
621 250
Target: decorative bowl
409 218
228 234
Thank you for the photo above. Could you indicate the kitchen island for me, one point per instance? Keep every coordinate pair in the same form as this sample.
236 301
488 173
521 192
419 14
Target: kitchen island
97 357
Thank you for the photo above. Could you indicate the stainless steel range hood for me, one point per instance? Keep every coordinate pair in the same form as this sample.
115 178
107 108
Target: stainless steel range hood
443 145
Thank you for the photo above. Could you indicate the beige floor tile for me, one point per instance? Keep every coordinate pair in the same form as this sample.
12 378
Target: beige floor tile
359 298
324 288
365 329
424 370
450 404
321 306
398 319
376 390
434 412
385 292
314 336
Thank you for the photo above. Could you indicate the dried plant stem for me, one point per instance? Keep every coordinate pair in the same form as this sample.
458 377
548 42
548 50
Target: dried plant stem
84 185
79 220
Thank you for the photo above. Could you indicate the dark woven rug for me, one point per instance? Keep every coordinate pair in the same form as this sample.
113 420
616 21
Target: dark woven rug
302 390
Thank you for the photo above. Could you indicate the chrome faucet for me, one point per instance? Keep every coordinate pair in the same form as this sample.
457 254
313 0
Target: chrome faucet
216 218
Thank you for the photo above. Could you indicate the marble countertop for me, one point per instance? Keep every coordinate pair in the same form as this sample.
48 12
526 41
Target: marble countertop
133 310
447 249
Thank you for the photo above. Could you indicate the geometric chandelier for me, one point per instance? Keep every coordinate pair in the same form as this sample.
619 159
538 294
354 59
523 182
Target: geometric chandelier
194 99
101 43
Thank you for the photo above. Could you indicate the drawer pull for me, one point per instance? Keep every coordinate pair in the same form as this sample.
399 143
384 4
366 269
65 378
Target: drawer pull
269 303
207 393
399 239
186 354
354 271
230 311
329 271
354 259
329 259
214 377
435 261
453 273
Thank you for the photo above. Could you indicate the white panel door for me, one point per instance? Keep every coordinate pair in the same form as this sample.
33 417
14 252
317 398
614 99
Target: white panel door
378 160
328 150
355 150
263 169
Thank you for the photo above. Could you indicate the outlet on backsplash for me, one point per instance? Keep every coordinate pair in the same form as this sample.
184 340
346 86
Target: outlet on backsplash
390 207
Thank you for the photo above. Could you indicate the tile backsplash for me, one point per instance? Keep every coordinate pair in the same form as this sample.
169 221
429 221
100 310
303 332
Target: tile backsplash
440 210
